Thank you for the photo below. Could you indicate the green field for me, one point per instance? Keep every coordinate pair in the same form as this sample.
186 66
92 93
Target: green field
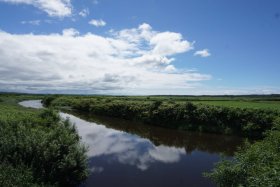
256 102
274 105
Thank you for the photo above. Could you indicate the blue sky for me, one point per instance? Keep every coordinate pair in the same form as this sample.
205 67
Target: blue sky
140 47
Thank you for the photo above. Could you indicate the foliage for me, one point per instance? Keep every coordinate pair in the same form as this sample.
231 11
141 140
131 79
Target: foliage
48 99
255 165
172 113
40 148
16 176
275 105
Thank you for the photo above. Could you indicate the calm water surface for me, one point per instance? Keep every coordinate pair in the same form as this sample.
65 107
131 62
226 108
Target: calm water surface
123 153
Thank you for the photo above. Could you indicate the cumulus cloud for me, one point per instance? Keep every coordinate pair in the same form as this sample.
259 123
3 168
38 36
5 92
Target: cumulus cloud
84 13
162 43
170 68
70 32
168 43
97 22
203 53
130 61
59 8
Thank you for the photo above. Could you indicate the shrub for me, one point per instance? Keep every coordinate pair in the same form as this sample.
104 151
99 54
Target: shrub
186 116
47 100
16 176
257 164
47 147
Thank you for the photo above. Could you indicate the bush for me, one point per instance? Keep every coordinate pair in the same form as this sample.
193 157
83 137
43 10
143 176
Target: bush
16 176
255 165
41 144
177 115
47 100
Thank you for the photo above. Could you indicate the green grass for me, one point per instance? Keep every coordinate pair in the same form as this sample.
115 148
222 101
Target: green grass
272 105
254 102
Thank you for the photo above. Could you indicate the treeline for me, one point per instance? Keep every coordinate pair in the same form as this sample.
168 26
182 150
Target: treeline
177 115
37 148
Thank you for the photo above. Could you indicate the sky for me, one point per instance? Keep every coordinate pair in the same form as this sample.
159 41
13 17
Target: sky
132 47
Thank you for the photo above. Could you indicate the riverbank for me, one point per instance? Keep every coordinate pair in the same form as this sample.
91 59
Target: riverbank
125 153
30 136
255 164
177 113
37 147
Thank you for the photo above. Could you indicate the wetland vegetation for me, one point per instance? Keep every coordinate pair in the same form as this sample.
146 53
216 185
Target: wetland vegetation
256 164
39 148
249 116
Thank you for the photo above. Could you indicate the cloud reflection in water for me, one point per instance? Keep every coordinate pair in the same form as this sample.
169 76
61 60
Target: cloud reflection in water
123 147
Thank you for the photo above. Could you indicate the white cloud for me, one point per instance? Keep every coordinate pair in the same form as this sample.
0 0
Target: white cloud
97 22
170 68
144 32
84 12
54 8
31 22
162 43
203 53
126 62
70 32
168 43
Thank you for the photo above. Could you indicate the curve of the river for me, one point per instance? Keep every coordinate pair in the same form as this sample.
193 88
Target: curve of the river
122 153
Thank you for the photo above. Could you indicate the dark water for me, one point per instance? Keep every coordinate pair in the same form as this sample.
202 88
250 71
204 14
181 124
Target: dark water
123 153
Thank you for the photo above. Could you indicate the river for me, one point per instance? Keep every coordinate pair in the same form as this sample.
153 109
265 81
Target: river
124 153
